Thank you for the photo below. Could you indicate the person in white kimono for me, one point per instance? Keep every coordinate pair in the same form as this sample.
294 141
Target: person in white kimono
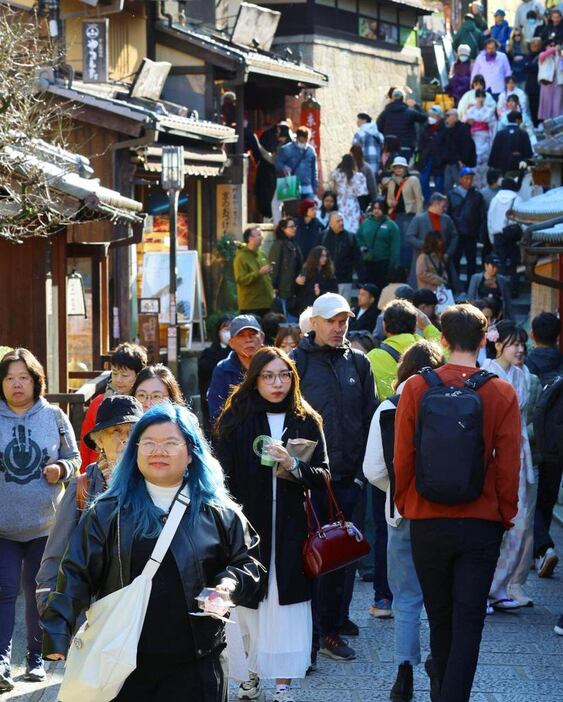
516 554
483 123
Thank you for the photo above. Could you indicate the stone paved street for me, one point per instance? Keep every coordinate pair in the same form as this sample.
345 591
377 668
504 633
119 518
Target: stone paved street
521 658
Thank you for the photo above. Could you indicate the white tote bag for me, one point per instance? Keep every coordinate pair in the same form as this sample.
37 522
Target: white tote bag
103 653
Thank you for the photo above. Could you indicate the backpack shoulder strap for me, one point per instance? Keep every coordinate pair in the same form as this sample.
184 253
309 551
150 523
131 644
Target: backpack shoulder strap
301 359
82 487
477 380
61 425
431 377
391 351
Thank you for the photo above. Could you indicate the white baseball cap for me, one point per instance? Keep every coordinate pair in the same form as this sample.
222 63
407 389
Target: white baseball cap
329 305
400 161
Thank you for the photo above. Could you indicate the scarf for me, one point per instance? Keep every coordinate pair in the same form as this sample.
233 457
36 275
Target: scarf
260 404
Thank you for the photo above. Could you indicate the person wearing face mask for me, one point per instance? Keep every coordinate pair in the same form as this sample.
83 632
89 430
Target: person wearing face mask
532 23
380 241
429 160
210 357
460 76
493 65
116 417
526 6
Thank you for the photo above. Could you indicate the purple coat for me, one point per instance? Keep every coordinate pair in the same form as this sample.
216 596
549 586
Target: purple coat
460 80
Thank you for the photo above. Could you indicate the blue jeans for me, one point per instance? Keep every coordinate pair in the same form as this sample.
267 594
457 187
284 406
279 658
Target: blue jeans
407 595
425 181
19 562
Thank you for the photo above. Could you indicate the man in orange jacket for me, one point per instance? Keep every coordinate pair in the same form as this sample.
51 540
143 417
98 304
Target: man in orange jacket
456 546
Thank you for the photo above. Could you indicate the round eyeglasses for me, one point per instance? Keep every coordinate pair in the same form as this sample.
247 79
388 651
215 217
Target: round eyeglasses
172 447
270 378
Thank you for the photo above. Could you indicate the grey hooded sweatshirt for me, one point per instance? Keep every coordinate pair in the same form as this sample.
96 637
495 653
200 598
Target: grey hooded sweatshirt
28 443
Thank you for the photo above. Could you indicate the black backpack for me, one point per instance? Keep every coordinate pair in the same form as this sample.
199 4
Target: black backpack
548 421
450 450
387 426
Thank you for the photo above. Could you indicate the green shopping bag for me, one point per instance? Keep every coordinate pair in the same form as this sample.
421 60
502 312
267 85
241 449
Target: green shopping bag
288 188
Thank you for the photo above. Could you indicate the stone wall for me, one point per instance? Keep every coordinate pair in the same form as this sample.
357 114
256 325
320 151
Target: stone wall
359 77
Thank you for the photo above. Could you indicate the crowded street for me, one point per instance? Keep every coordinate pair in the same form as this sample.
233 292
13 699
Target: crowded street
281 351
520 657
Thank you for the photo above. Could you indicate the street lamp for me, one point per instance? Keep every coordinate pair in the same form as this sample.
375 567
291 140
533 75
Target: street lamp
173 181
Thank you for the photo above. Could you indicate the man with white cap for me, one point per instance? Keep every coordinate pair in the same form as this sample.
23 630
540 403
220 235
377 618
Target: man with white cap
404 198
246 338
338 382
399 119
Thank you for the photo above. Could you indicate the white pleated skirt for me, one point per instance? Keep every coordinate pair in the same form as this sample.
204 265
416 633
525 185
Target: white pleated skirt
277 638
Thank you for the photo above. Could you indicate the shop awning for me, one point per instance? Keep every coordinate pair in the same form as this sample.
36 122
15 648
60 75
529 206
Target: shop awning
197 161
150 114
40 182
423 7
236 57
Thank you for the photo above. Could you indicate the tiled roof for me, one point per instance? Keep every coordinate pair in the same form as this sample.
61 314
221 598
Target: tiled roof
541 208
111 97
253 61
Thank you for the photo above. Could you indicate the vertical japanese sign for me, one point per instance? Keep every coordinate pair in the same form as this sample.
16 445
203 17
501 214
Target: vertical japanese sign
311 117
95 50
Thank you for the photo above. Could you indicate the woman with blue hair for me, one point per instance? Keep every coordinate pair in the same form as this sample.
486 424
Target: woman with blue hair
179 656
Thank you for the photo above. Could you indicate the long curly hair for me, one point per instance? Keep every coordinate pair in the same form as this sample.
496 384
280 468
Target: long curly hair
313 262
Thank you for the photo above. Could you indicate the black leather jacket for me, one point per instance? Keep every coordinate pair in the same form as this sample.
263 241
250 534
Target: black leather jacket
219 547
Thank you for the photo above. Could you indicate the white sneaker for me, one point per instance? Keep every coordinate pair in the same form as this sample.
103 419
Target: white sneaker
545 565
251 689
515 592
283 696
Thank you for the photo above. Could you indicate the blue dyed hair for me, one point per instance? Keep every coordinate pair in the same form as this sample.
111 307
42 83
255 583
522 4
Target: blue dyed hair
204 475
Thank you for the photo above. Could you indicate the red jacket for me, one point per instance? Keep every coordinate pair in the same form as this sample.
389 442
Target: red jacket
501 433
88 455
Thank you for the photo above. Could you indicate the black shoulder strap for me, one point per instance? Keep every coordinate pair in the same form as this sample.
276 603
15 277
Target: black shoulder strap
391 351
387 426
477 380
431 377
59 414
301 157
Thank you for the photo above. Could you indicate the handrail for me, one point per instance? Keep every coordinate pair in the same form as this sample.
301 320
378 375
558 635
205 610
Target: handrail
73 403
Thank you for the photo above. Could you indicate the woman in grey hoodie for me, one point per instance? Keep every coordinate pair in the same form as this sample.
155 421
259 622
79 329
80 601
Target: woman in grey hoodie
38 454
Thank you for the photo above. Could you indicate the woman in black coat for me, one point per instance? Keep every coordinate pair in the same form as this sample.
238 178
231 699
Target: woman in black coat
316 278
277 624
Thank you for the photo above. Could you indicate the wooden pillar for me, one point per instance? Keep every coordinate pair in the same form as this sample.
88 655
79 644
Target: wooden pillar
105 311
96 312
58 272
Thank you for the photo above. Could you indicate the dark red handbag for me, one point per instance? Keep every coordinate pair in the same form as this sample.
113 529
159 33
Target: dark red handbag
334 545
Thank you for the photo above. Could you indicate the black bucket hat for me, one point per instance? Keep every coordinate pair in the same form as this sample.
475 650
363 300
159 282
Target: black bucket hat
114 410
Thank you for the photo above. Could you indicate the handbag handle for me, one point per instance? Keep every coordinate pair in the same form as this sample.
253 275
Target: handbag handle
334 511
181 501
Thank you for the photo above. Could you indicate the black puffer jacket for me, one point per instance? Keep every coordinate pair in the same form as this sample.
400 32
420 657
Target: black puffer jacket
339 384
399 119
455 144
218 547
345 252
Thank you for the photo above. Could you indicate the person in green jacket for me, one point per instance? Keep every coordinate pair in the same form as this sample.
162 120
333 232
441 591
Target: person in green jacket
379 239
252 275
470 34
400 320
